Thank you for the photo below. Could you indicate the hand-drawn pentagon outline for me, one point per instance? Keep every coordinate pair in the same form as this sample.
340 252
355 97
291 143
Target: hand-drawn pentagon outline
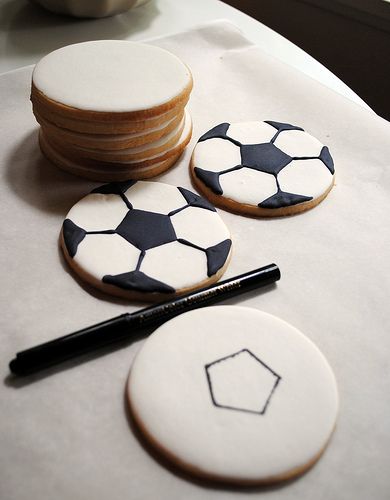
242 382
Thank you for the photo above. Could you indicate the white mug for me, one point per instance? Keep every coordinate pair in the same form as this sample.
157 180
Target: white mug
89 8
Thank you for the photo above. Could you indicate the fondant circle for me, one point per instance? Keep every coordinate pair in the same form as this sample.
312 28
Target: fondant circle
234 394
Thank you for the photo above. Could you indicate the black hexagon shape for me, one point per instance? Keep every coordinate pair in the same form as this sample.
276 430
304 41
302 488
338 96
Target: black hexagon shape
146 229
264 157
230 388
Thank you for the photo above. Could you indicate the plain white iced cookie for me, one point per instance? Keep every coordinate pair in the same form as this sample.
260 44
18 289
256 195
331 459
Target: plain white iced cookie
111 76
145 240
262 168
234 394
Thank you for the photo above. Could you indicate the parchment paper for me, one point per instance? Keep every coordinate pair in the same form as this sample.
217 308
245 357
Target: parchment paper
66 434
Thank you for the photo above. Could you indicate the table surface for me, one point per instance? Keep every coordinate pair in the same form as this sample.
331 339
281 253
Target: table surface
27 32
57 440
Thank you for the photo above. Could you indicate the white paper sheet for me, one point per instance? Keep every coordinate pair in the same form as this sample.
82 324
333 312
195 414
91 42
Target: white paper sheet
68 435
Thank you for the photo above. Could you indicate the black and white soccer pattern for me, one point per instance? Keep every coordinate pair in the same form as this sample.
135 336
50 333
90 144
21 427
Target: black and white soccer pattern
146 228
288 165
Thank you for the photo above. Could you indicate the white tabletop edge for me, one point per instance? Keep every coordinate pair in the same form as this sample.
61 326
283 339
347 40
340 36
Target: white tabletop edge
155 19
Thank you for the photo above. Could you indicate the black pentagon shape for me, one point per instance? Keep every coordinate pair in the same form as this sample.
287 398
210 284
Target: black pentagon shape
137 281
258 405
73 235
146 229
217 132
195 200
216 256
282 199
264 157
327 159
114 187
209 179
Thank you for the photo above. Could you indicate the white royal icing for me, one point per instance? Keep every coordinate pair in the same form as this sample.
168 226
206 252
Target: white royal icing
192 224
298 143
234 393
248 186
155 197
306 177
177 265
101 254
216 155
111 76
251 132
98 212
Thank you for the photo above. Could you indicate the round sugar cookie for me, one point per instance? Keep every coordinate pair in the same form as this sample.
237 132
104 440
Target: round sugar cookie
132 154
119 170
145 240
103 78
106 127
113 174
108 142
234 394
262 168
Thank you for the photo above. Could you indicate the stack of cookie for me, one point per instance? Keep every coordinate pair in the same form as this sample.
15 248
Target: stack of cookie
112 110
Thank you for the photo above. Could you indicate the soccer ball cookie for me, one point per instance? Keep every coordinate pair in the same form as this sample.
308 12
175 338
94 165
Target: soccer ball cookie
145 240
262 168
234 394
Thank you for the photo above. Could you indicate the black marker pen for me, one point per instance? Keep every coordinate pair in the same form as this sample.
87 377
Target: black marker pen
129 325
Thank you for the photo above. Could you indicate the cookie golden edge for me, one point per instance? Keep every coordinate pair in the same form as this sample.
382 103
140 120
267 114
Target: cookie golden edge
77 152
108 176
252 210
106 128
107 172
104 142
